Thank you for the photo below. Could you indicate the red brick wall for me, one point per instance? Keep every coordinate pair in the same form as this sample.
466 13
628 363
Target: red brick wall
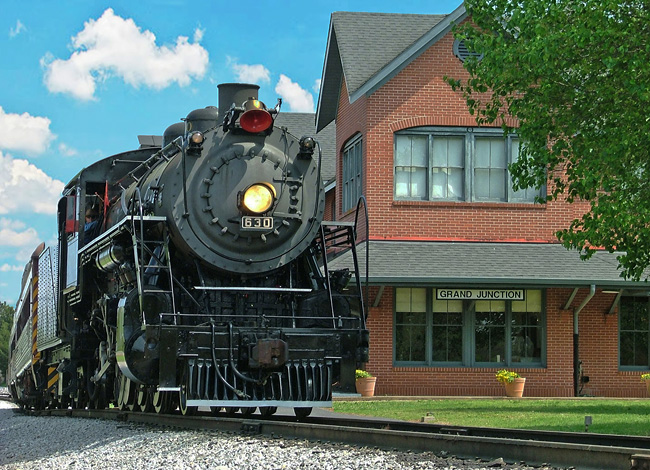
329 204
597 348
418 96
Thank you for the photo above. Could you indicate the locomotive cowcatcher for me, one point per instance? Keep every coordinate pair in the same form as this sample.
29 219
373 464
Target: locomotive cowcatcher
194 273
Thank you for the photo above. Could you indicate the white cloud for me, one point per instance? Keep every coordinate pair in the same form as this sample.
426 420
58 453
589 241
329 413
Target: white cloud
198 34
25 133
252 73
112 45
15 234
298 99
11 224
24 188
5 268
316 86
27 237
19 28
67 151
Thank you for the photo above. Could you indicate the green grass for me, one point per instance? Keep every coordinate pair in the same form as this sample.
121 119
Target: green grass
608 416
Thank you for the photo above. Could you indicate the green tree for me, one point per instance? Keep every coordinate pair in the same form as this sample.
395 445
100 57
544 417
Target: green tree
575 75
6 319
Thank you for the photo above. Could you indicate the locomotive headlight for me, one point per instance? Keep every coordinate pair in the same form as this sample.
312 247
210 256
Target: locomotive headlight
258 198
196 138
195 142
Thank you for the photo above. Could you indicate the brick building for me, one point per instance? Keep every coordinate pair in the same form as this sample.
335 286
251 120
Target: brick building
466 274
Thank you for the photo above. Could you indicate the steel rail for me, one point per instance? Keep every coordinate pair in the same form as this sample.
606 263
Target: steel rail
578 450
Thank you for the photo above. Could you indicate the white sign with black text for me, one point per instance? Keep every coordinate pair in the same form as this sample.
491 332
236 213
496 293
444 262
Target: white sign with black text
480 294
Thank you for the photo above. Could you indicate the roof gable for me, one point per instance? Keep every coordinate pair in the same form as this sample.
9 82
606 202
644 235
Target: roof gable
368 49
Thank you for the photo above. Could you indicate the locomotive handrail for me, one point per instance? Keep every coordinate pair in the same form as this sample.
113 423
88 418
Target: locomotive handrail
164 153
356 219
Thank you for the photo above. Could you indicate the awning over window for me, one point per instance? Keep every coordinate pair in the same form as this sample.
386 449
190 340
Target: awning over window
485 264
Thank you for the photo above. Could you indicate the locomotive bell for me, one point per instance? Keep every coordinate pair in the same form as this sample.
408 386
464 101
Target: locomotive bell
255 118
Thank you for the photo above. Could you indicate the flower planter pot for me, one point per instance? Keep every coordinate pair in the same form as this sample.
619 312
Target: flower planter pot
515 388
366 386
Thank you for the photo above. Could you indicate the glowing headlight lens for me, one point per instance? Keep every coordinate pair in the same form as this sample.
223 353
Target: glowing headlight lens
258 198
196 138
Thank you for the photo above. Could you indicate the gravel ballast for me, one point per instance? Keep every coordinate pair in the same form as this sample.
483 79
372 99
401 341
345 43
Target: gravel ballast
51 442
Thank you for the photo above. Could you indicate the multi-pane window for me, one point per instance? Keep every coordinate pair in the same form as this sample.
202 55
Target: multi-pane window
411 167
634 329
447 331
448 168
410 323
489 330
454 332
457 164
351 165
490 169
526 328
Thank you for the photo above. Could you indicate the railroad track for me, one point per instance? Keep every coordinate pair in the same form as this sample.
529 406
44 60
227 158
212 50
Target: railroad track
579 450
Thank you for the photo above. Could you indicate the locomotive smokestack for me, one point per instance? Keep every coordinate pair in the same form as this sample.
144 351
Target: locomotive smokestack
237 93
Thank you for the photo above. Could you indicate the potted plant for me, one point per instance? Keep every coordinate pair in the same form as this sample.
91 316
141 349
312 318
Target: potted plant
512 381
365 383
646 379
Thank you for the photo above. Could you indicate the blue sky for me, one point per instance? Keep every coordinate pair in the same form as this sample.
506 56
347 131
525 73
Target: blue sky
81 79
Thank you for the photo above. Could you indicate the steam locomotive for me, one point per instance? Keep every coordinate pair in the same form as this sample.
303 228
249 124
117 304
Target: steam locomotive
194 273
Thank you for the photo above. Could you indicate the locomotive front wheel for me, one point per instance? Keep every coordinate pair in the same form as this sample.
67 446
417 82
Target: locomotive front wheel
182 402
183 395
248 410
302 413
267 411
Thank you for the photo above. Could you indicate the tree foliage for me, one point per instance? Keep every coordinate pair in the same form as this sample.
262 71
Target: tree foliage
575 74
6 319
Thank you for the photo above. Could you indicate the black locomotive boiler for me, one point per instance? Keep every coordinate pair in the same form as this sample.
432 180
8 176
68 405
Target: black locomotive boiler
194 273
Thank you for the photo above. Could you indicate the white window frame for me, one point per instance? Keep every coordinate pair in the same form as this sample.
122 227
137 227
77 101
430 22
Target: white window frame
470 136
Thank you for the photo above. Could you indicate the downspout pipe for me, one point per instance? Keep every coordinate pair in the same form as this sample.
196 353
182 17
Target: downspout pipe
576 355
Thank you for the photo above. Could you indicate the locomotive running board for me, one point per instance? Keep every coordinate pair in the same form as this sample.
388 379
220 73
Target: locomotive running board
256 289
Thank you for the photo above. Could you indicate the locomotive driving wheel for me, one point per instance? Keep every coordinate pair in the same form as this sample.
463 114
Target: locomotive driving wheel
160 401
96 391
144 399
126 393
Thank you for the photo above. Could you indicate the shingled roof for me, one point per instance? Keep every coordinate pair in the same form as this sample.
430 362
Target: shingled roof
370 48
299 124
485 264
